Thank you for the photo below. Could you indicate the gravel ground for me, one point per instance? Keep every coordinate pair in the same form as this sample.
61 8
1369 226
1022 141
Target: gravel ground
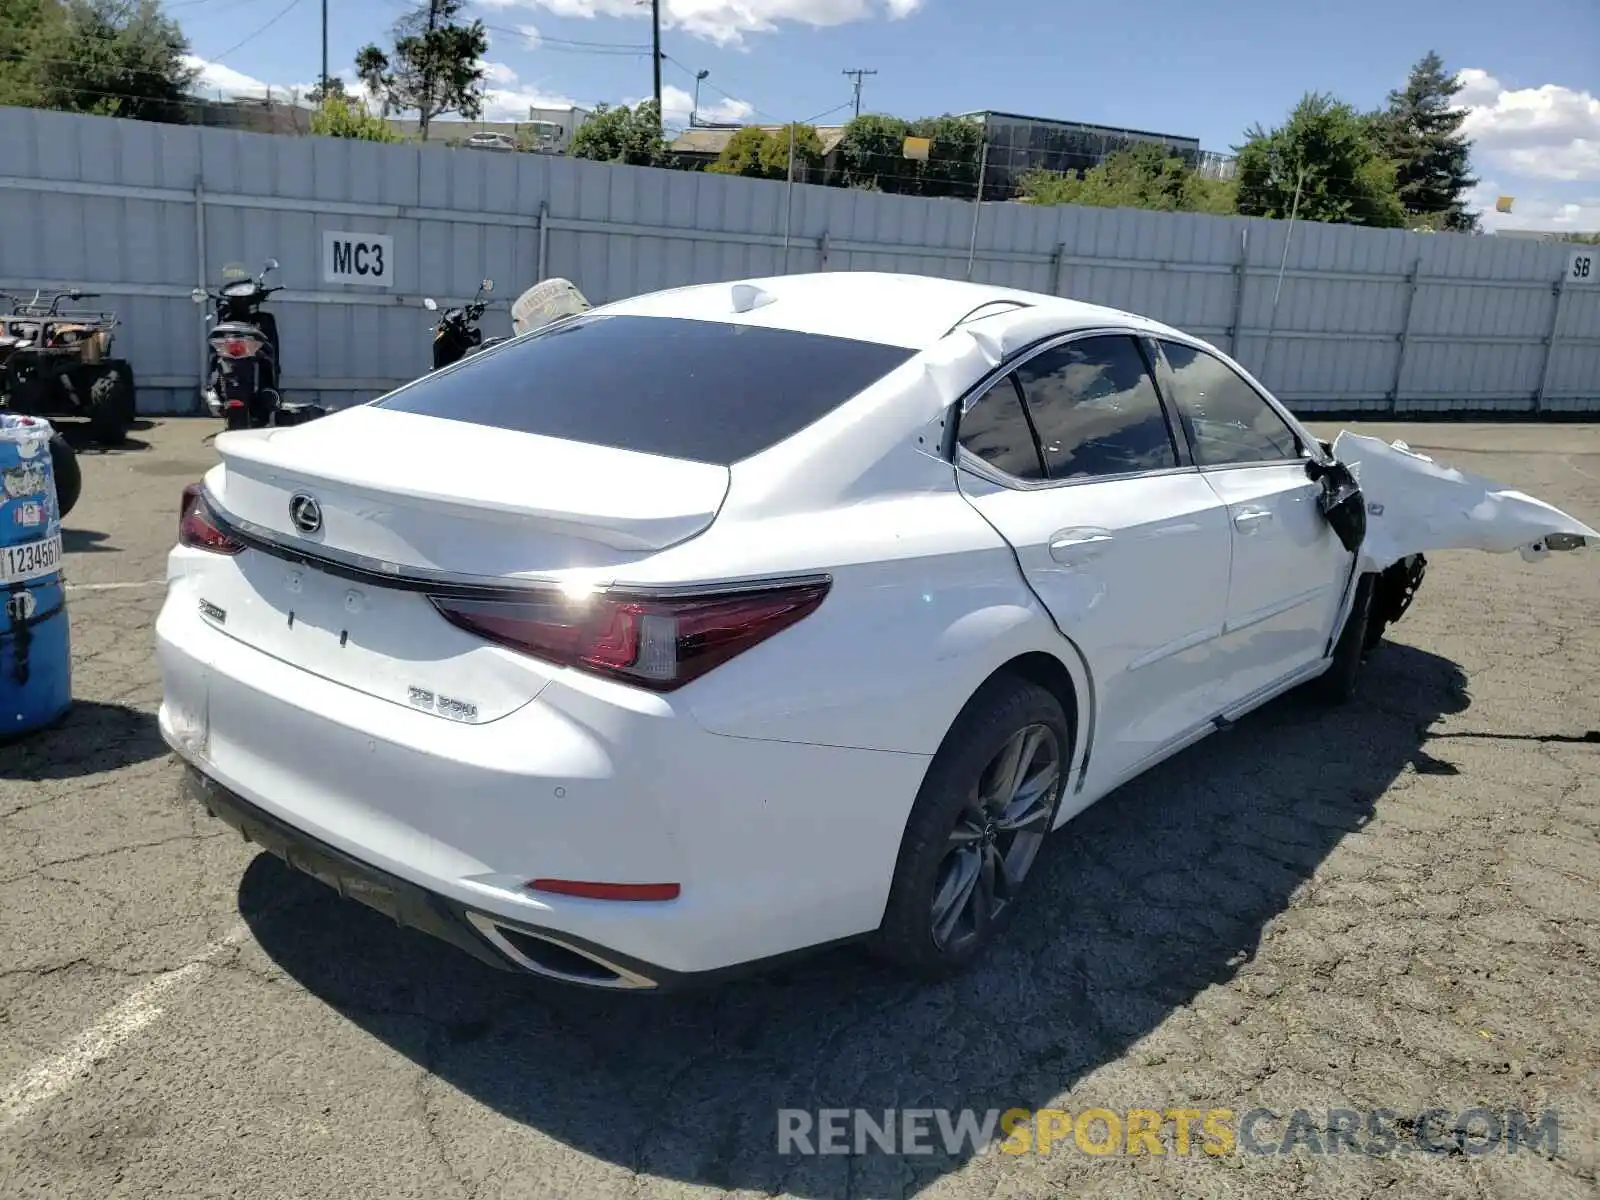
1396 906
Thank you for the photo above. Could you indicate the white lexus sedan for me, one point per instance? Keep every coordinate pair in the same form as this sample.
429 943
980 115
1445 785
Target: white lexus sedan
731 621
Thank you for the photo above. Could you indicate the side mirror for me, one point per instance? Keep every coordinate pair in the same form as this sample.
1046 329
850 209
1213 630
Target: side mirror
488 285
430 304
198 295
272 265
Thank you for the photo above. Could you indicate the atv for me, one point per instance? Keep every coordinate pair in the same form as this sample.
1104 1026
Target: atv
57 364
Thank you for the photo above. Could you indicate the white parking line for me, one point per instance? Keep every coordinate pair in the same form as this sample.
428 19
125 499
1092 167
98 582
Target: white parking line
114 587
139 1009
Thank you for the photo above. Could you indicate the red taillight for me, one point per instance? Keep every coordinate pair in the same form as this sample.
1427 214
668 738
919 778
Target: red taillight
606 891
654 643
197 530
236 347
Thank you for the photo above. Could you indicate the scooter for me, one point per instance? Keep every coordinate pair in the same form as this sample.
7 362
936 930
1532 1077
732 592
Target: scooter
243 359
456 333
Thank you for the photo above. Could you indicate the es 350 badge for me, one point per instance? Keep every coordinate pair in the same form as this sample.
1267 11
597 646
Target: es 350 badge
24 481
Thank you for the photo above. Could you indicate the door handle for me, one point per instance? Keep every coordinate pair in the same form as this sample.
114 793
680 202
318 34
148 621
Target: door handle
1077 545
1248 520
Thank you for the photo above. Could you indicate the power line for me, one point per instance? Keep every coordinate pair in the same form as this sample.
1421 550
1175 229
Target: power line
859 74
282 12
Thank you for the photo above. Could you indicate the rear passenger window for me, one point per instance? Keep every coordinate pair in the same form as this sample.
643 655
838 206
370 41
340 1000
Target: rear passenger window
1096 410
1226 419
996 430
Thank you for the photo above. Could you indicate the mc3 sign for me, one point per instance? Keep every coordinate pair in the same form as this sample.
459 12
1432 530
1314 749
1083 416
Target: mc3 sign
366 259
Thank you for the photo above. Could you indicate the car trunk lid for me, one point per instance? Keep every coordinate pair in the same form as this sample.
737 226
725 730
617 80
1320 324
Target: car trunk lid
405 501
424 492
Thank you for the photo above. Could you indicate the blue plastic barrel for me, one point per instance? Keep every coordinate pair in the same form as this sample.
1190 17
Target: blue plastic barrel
35 646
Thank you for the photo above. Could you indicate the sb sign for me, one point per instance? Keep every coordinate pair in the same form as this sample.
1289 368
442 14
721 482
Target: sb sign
360 258
1584 266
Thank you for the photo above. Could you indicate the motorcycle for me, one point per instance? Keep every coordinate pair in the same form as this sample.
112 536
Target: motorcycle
243 352
456 333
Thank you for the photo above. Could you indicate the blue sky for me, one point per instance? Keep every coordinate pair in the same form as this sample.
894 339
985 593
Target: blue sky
1204 68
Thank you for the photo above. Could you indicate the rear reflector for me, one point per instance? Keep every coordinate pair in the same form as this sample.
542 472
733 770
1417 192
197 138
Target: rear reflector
236 347
606 891
196 527
654 643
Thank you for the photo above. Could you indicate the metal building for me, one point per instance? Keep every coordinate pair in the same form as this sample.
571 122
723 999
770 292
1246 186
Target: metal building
1019 144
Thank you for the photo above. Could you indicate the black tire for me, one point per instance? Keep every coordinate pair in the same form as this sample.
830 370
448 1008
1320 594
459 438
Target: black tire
108 407
236 418
1004 708
129 394
1337 685
68 475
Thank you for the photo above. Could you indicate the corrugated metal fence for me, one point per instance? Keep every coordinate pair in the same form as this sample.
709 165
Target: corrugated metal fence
1360 320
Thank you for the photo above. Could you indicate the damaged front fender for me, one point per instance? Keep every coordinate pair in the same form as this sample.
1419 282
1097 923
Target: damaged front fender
1415 505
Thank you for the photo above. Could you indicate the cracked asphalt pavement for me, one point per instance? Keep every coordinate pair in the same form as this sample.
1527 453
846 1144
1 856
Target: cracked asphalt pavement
1395 905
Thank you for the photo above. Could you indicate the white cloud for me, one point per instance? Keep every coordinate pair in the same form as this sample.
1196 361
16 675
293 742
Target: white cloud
217 80
530 34
512 104
1581 215
725 22
498 73
676 105
1547 132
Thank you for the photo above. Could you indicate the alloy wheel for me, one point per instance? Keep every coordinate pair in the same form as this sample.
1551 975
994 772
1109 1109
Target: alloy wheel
996 837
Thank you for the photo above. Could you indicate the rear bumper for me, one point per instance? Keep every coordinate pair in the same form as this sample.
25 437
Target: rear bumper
778 847
506 945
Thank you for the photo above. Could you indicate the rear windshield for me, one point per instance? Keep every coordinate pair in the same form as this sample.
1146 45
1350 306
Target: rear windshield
708 391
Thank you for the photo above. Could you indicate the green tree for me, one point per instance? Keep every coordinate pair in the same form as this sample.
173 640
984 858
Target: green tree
27 27
1144 176
622 135
872 151
330 88
952 166
1420 132
346 117
745 154
435 67
1326 151
872 154
807 152
117 58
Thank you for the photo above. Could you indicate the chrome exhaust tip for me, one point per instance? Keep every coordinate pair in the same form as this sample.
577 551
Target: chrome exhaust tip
548 956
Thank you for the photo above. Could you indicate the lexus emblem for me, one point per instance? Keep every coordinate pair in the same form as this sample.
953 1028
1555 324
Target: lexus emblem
305 512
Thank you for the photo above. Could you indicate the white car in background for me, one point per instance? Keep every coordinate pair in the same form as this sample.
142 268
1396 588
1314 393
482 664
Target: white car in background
726 622
501 142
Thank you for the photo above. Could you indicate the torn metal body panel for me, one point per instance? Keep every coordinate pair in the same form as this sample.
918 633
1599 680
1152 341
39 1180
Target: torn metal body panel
1415 505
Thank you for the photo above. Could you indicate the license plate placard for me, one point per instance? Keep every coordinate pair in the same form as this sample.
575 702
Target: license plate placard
30 560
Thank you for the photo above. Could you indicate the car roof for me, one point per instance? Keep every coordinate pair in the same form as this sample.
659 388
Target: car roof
911 311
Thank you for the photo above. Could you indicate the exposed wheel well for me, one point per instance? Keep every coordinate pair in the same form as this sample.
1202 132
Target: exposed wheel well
1050 673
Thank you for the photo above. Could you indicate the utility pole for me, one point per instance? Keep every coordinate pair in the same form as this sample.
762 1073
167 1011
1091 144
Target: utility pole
655 58
859 74
324 51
